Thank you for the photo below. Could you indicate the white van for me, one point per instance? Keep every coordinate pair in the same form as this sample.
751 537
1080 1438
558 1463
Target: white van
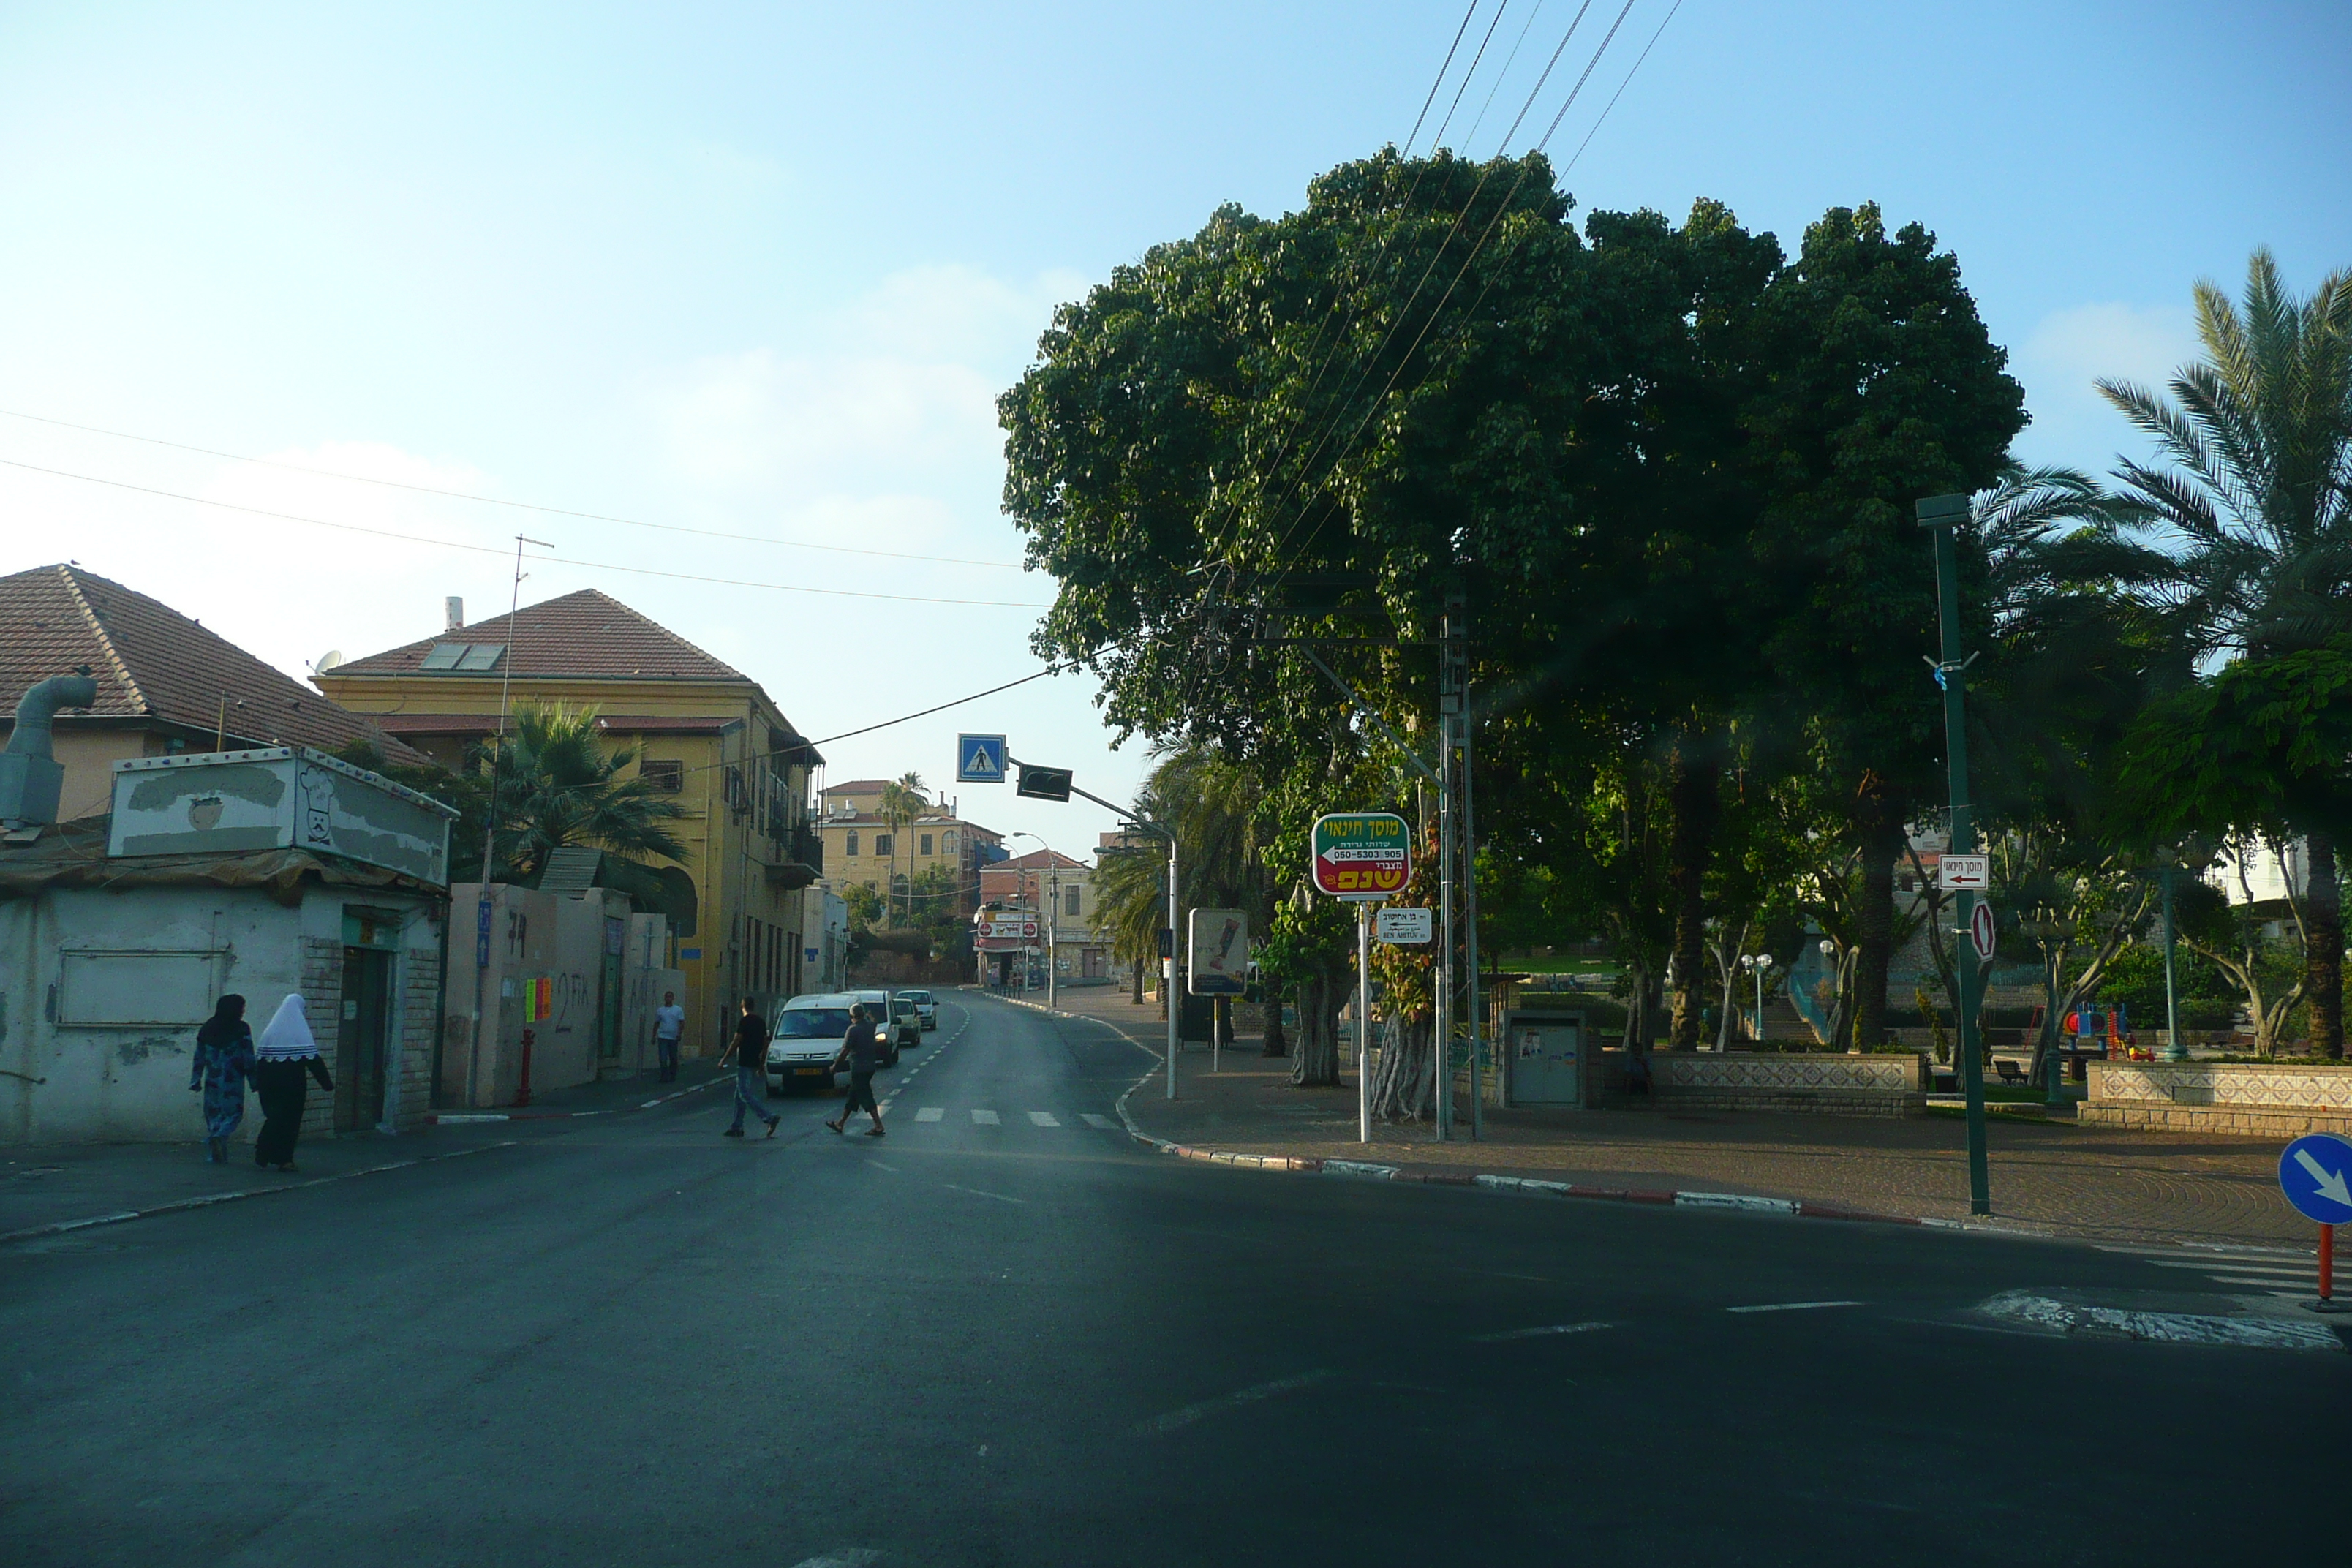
808 1035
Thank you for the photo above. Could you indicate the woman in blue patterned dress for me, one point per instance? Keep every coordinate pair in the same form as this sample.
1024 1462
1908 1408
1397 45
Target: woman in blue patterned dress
224 1056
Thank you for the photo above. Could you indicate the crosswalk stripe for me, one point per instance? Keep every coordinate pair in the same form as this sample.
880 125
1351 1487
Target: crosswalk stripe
985 1118
1103 1123
929 1113
1042 1119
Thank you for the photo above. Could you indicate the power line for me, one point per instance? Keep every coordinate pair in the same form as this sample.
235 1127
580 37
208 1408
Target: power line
924 713
488 550
501 501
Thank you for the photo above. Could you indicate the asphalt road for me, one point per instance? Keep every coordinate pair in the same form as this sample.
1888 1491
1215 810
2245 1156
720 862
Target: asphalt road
1025 1340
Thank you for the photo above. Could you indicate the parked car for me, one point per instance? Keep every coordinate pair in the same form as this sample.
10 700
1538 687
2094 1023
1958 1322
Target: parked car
808 1032
927 1007
878 1013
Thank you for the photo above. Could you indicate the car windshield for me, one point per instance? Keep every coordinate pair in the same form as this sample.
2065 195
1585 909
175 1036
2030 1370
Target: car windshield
813 1024
917 996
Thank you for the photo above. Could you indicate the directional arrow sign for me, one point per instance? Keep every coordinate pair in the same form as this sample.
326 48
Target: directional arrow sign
2315 1174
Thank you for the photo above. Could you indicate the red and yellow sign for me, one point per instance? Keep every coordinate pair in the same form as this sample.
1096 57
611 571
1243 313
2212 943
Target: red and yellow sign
1362 854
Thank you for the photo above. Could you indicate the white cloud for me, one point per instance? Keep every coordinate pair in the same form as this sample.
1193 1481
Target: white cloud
2071 350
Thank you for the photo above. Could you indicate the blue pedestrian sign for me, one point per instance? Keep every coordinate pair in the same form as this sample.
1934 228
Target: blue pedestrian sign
979 759
2316 1172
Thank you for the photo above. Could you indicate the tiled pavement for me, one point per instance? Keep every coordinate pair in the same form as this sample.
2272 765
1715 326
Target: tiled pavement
2100 1183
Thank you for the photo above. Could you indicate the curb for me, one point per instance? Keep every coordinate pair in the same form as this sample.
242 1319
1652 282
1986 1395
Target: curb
467 1118
1525 1187
59 1227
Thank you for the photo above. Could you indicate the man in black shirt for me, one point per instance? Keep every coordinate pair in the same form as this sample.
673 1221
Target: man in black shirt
749 1051
862 1049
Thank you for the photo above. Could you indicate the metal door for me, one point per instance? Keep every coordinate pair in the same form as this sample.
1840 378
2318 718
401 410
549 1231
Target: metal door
1545 1052
359 1040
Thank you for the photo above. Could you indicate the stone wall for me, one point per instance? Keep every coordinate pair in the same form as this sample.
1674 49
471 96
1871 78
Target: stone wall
2251 1099
1883 1083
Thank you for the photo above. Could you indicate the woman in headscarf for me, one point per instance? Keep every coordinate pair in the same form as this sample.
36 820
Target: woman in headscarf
287 1058
224 1056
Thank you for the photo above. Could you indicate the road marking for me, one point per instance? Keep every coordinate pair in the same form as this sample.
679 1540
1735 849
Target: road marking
929 1113
975 1192
2165 1328
986 1118
1793 1306
1537 1333
1159 1426
1042 1119
1103 1123
853 1557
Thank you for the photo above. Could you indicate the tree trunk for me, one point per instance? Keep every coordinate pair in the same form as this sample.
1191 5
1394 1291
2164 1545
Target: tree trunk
1696 805
2322 947
1317 1062
1637 1022
1277 1043
1136 975
1405 1089
1879 814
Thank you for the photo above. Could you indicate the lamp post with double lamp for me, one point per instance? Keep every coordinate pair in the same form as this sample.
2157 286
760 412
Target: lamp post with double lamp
1053 919
1760 965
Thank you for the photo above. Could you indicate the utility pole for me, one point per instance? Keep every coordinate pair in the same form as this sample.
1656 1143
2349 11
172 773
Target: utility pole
1453 678
1942 516
489 824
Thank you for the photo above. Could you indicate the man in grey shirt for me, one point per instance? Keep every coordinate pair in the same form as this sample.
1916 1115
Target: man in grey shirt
670 1028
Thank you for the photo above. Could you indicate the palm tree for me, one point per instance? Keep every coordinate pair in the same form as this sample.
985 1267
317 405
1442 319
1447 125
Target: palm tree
902 802
2257 507
558 785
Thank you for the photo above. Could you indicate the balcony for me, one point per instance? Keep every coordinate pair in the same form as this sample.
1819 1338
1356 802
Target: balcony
804 859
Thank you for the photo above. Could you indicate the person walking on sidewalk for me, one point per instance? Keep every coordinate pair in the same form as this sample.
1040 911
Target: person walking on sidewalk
670 1028
862 1049
751 1053
286 1060
224 1056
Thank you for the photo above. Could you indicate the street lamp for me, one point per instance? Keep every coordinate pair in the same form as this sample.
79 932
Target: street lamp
1760 965
1053 921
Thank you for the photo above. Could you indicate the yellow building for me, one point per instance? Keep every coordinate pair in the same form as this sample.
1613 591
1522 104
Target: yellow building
702 730
861 849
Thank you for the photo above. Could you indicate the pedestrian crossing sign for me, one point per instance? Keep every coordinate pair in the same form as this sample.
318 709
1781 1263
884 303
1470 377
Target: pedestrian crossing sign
979 759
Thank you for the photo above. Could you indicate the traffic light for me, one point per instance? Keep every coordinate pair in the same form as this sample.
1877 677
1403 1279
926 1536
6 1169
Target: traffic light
1043 783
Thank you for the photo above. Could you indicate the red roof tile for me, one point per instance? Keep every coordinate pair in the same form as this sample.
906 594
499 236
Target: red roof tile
586 635
151 662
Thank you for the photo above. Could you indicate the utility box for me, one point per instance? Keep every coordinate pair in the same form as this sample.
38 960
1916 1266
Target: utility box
1548 1060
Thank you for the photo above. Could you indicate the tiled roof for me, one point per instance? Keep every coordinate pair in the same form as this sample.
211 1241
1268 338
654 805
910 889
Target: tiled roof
585 635
858 786
151 662
1036 858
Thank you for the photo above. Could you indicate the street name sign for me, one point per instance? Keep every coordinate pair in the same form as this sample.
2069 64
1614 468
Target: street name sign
2315 1174
1964 873
1219 953
1405 926
979 759
1983 933
1362 854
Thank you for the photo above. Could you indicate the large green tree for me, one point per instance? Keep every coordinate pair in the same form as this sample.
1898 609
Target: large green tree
2254 497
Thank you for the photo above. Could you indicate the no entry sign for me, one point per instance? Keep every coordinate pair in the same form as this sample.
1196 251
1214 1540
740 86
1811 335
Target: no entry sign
1983 933
1362 854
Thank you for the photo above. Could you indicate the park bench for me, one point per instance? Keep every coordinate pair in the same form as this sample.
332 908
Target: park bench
2011 1073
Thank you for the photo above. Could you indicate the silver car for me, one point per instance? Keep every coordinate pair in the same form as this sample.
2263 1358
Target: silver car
927 1007
807 1036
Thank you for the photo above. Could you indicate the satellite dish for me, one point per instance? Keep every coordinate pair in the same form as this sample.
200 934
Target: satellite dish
327 661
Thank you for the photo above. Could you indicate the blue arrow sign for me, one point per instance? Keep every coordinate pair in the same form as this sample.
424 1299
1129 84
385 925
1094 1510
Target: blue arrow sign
979 759
2315 1174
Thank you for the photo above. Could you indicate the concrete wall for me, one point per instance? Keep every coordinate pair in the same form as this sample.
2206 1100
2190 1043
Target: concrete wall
1880 1083
535 937
2253 1099
68 1081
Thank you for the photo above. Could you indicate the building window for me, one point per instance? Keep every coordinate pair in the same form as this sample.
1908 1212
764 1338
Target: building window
927 843
882 844
853 841
1070 901
947 842
668 777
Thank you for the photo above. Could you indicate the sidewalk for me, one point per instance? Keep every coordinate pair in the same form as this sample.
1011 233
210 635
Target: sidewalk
46 1187
2098 1183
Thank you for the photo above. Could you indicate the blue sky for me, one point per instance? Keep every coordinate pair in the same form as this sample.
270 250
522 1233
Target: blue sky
762 271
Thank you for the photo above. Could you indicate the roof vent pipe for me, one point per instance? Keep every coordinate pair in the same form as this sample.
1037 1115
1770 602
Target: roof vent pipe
30 777
453 613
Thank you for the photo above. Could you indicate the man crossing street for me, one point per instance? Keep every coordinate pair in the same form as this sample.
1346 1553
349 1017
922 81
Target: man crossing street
749 1051
670 1028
